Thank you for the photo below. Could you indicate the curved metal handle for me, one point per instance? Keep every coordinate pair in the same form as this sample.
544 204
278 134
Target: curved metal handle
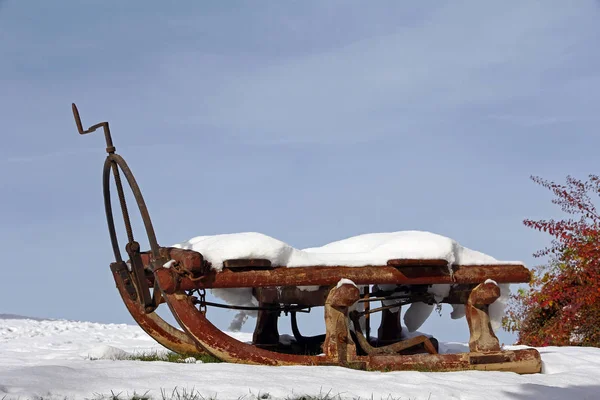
109 144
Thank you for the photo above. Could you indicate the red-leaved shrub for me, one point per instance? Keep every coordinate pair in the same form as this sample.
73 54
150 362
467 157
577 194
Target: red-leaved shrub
562 304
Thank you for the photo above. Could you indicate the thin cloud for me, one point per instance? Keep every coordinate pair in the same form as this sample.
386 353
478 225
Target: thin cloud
459 59
534 120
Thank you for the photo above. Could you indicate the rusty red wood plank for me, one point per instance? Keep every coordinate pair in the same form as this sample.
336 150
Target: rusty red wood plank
319 275
247 263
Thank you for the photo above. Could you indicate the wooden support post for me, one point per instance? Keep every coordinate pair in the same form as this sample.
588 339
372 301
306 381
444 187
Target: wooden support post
266 333
390 329
367 305
338 343
482 337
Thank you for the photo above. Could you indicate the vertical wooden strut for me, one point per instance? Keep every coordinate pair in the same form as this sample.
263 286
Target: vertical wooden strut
367 305
338 343
390 330
266 333
482 337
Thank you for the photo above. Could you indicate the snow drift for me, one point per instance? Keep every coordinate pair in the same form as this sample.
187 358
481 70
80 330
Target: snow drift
357 251
51 360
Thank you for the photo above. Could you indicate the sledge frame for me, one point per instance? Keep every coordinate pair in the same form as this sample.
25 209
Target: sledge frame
339 348
144 283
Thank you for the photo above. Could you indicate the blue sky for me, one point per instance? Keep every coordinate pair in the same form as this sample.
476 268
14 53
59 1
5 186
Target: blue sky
308 121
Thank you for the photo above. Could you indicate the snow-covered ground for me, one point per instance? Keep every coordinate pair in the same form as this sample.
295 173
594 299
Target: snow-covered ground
66 359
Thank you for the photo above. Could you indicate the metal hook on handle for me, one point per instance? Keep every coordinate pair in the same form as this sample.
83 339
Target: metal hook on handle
109 144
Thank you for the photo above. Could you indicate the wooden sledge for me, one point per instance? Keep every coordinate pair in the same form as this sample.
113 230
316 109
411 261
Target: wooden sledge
179 278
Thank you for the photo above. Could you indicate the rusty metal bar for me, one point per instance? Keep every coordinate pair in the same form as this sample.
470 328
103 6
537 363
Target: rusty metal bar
297 308
254 263
378 309
314 340
322 276
137 193
368 299
367 309
432 262
104 125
